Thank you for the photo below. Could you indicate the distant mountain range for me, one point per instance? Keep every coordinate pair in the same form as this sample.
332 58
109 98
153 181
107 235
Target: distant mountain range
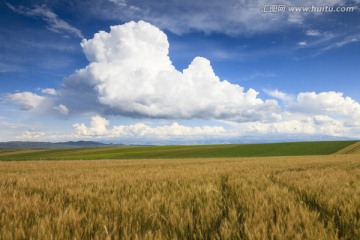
47 145
243 139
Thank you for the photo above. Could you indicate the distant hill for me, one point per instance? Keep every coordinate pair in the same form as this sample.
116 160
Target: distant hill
49 145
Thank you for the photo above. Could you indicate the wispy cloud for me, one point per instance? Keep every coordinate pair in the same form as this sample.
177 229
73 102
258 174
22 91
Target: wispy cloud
232 17
326 41
313 33
5 68
258 75
55 23
342 42
119 3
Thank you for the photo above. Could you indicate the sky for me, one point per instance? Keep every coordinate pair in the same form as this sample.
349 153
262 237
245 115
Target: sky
179 72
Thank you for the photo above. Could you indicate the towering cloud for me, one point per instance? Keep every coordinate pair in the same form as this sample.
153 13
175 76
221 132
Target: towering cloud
130 73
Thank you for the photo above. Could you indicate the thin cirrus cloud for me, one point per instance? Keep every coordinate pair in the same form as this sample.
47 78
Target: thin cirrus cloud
230 17
328 41
55 23
234 18
313 33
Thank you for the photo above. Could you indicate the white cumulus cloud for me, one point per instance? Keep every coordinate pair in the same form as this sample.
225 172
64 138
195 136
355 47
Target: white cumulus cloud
49 91
326 103
278 95
303 43
99 127
284 127
31 102
62 109
31 135
322 125
27 100
323 120
130 73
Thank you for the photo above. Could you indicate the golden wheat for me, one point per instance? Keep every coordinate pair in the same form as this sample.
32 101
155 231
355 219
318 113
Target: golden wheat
246 198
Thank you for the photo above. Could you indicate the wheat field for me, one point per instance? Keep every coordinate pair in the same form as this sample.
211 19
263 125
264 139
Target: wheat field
307 197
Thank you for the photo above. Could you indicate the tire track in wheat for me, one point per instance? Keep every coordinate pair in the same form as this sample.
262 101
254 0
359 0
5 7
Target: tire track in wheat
326 216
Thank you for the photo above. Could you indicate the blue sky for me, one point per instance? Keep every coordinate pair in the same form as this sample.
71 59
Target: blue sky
178 71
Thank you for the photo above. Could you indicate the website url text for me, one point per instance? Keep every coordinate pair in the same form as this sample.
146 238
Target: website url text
277 8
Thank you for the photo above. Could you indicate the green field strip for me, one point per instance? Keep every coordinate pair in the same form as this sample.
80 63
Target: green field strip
191 151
